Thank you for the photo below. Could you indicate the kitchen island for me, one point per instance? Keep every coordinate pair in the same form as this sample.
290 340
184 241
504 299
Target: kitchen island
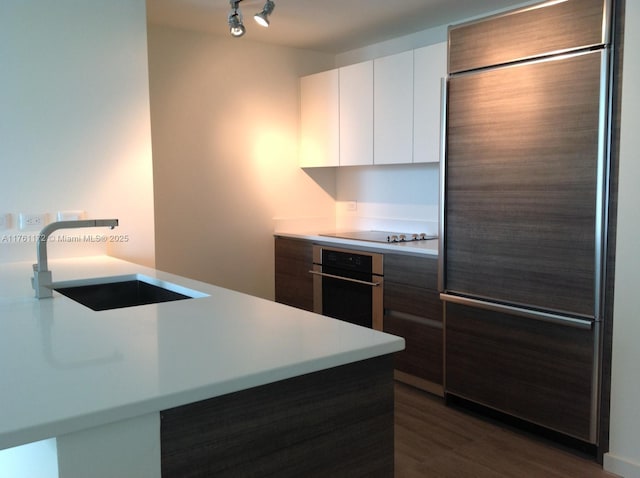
99 381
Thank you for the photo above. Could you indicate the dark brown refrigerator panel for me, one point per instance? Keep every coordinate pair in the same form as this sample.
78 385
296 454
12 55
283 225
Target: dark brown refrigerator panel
529 33
521 193
538 371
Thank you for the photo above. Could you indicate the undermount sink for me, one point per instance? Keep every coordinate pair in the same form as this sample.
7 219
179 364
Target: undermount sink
117 292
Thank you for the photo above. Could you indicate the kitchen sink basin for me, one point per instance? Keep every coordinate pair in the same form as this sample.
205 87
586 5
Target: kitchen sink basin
123 291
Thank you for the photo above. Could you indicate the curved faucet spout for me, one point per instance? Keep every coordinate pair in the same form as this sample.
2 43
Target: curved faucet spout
41 281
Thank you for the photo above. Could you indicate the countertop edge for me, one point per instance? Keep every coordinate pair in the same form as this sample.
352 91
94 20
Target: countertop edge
403 248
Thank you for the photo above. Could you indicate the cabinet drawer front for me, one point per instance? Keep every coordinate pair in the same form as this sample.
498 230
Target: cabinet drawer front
537 371
529 33
412 270
413 300
422 356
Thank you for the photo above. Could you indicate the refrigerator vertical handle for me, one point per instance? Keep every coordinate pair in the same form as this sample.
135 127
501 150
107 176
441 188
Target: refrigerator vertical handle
443 159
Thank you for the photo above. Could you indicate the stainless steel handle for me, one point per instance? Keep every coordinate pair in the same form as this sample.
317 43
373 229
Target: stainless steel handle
348 279
443 164
529 314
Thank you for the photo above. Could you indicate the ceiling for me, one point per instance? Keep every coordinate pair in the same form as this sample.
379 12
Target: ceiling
333 26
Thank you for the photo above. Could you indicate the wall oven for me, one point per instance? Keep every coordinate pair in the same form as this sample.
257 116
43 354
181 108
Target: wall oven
348 285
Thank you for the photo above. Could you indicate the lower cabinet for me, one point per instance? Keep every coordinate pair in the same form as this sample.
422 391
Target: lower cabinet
538 371
413 310
412 306
335 422
293 282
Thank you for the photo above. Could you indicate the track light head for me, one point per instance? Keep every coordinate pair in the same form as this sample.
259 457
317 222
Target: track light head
236 27
262 18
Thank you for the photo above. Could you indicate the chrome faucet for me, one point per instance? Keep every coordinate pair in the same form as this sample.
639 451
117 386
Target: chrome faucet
41 280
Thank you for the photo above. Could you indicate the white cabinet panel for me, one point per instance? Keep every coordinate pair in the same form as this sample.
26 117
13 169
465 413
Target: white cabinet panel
319 120
356 114
393 109
430 66
385 111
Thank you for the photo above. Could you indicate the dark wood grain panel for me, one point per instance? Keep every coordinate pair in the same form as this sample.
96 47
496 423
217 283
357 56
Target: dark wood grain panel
423 355
413 310
522 157
534 370
526 33
413 300
412 270
337 422
293 282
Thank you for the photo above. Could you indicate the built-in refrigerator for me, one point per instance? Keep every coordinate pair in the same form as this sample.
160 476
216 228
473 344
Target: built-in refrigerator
524 212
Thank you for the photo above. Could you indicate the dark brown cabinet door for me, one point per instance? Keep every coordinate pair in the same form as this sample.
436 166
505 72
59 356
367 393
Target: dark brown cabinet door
293 282
529 33
538 371
413 310
523 155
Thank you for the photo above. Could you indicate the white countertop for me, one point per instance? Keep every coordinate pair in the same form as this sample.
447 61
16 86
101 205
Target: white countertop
66 368
428 248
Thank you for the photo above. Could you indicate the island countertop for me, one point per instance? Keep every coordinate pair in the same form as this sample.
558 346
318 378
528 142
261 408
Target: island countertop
67 368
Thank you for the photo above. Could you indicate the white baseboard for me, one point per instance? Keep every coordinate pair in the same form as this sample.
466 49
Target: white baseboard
621 466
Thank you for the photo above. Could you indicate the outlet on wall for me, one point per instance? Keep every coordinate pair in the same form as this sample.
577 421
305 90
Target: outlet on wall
32 220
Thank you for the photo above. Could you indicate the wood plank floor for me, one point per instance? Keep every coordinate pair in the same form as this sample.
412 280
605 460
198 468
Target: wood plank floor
433 440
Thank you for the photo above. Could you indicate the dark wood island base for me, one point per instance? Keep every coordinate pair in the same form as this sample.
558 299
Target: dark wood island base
336 422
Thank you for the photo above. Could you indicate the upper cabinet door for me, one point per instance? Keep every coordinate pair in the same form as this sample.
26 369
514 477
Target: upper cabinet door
429 68
356 114
393 109
535 31
319 120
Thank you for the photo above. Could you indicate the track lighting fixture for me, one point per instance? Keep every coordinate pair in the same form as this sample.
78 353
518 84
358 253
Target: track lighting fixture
262 18
236 27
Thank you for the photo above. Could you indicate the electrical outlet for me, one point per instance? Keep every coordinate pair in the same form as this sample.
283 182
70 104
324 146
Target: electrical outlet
352 205
5 221
32 221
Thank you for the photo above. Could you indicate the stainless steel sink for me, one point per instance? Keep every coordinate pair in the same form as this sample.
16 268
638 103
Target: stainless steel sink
123 291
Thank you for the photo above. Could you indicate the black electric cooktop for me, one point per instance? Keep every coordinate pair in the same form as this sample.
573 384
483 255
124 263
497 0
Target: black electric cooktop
381 236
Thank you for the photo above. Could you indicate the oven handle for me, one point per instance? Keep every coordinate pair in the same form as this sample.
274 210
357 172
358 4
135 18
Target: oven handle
348 279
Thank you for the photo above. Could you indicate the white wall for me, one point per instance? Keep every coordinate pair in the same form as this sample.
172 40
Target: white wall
624 456
74 121
224 115
400 198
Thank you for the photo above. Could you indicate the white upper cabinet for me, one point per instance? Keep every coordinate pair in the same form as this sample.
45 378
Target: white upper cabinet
319 120
430 66
385 111
393 109
356 114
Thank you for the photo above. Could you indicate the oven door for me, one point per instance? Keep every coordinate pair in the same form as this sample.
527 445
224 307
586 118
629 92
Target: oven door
350 295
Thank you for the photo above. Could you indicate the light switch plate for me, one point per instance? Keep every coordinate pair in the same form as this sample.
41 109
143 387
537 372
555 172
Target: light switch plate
5 221
70 215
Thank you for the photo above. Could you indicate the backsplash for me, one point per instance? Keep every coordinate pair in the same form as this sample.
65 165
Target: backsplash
386 217
402 198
